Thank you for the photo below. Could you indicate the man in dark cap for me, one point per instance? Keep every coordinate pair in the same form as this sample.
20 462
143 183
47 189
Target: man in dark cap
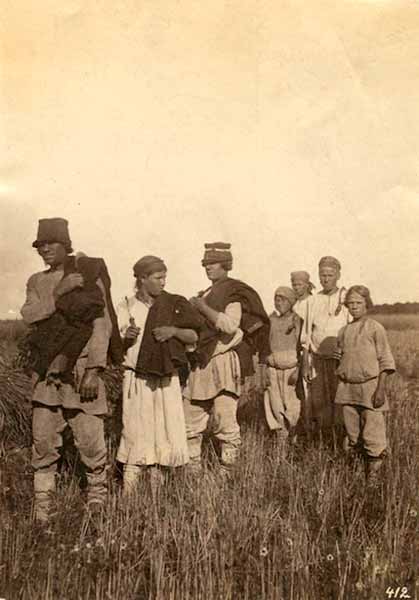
236 328
77 399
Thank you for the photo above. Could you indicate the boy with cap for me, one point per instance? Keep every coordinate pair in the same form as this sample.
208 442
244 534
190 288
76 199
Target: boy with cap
74 397
325 315
236 328
282 407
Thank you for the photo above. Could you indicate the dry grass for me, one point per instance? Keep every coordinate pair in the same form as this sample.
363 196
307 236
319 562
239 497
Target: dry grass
303 528
398 322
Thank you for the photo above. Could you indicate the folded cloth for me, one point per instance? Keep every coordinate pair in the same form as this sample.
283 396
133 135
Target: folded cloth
164 359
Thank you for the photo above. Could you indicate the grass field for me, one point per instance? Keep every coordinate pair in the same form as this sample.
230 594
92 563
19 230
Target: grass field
300 528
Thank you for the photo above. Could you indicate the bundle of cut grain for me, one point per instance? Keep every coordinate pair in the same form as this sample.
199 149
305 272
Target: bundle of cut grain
15 410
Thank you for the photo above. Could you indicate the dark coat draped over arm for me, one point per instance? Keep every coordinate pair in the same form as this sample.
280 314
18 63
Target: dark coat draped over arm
57 342
163 359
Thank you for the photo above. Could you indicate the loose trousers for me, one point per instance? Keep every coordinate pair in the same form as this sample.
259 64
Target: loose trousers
366 426
223 410
48 424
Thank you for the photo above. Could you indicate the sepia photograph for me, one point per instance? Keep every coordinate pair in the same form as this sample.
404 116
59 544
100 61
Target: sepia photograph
209 308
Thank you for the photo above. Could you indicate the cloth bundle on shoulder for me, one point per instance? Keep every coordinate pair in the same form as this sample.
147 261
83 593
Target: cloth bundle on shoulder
163 359
255 324
56 342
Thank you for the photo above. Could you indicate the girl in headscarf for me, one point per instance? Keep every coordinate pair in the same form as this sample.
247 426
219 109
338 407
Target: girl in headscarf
282 407
156 327
303 288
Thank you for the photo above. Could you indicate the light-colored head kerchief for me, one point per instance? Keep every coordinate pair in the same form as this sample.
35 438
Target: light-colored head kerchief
304 277
330 261
147 265
300 276
287 293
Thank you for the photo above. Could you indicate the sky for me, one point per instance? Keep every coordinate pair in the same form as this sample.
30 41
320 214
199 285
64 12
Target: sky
288 128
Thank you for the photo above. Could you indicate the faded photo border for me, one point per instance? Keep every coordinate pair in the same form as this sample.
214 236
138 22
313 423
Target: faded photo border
288 128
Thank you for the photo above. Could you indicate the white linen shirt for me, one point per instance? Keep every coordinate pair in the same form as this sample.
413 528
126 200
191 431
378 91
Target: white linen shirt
321 323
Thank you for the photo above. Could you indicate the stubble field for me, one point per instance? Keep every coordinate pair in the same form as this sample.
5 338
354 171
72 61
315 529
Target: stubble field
302 528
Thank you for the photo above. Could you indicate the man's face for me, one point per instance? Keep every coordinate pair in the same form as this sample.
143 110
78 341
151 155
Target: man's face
328 278
300 287
52 253
154 283
215 271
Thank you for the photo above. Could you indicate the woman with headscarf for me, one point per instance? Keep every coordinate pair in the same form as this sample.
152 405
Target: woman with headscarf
282 407
156 328
303 288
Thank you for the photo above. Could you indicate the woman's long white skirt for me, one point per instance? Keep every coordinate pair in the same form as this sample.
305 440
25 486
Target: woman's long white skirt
153 423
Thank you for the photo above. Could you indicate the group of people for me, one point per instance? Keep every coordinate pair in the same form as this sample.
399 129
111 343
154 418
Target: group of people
322 362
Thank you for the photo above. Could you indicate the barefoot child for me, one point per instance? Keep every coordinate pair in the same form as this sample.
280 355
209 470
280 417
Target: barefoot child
282 407
366 361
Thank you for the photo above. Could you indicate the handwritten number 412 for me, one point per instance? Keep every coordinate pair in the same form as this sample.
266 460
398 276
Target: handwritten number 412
398 592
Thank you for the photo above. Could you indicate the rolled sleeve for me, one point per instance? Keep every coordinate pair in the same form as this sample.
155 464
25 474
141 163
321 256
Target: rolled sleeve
229 320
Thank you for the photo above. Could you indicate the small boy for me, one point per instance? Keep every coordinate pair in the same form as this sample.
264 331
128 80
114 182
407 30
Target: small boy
366 360
282 407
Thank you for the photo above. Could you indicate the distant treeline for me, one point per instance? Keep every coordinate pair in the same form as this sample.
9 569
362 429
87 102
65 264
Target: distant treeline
399 308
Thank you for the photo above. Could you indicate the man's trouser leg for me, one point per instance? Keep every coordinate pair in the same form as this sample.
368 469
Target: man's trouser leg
323 392
226 427
89 438
197 414
48 424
